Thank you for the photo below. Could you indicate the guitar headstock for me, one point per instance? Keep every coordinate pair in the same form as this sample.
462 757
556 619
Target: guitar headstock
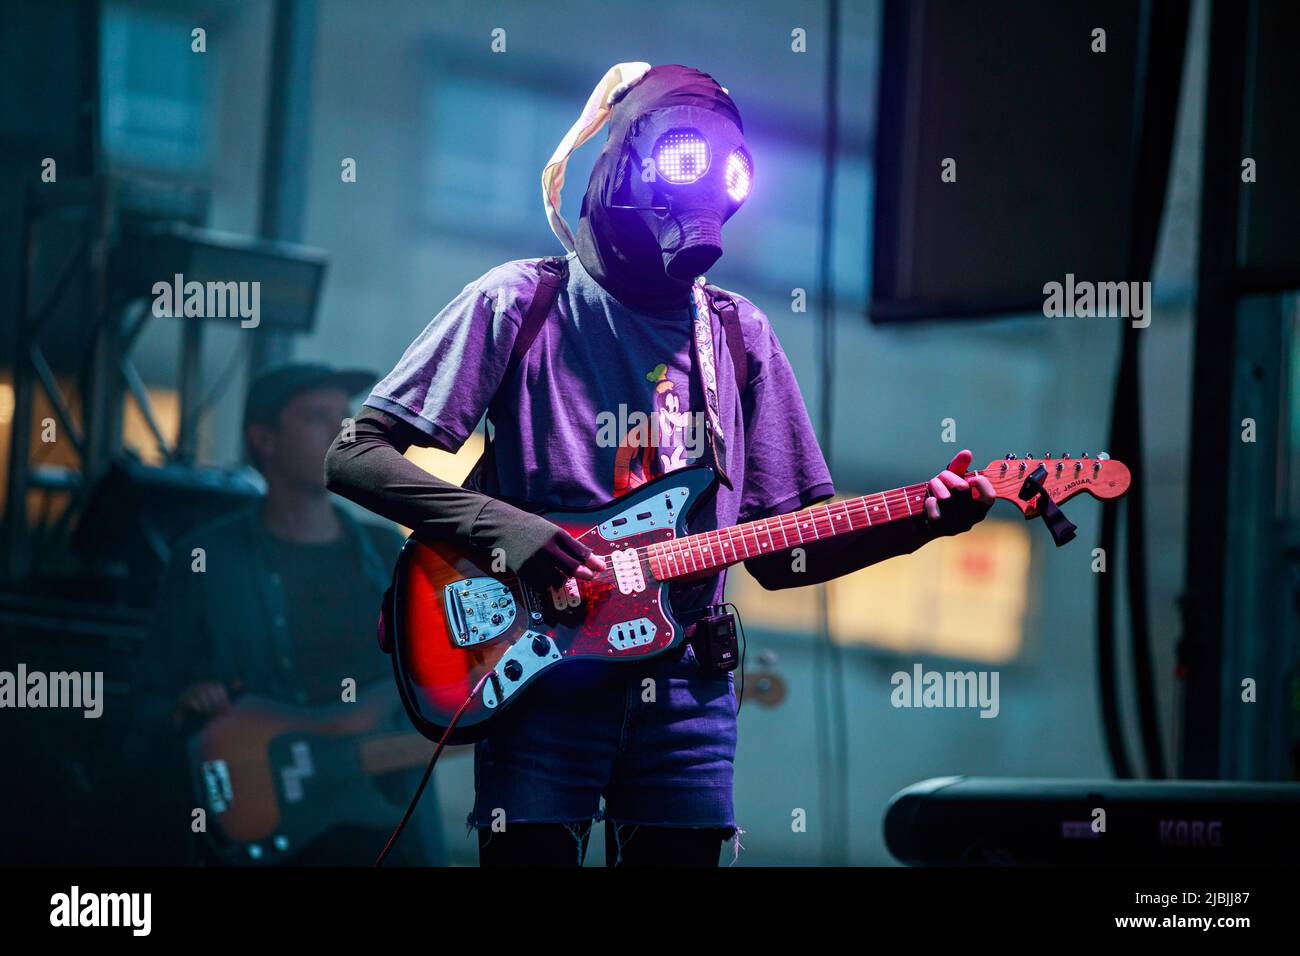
1065 477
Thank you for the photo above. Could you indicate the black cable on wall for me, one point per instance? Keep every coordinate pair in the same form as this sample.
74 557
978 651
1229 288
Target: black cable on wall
831 711
1158 80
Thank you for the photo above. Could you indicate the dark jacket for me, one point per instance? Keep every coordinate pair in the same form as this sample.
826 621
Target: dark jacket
228 623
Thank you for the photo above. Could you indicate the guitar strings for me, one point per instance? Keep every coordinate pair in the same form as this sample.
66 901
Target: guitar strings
678 547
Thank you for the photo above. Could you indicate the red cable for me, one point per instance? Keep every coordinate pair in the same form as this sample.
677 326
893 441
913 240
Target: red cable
428 771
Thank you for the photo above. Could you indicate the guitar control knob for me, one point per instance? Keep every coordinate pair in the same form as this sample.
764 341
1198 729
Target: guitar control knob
497 618
541 646
513 670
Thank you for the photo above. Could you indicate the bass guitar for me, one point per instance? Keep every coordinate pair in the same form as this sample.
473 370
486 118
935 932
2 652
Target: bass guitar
273 777
456 626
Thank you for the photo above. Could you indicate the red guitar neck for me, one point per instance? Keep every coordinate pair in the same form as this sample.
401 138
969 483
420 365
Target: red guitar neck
712 550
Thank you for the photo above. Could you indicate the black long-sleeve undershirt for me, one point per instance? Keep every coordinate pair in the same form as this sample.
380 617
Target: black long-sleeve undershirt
830 558
371 469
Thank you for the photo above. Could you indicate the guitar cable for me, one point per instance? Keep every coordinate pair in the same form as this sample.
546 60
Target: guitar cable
428 770
744 645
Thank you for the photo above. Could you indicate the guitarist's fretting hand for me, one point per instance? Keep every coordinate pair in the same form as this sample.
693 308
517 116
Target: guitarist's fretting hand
955 503
200 701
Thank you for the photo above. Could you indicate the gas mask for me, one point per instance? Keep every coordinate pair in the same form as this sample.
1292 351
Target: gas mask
686 173
673 170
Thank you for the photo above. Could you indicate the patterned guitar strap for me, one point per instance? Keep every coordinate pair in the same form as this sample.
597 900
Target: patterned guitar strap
705 360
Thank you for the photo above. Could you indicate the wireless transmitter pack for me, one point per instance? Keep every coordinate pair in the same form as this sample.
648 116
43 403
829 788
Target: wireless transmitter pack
714 641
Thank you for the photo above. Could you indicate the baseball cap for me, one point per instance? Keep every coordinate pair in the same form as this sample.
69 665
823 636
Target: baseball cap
275 385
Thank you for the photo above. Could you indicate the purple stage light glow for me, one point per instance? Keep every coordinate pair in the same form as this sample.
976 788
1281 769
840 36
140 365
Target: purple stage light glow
682 156
740 175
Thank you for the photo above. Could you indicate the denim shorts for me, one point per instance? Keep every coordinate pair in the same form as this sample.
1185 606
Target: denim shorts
657 741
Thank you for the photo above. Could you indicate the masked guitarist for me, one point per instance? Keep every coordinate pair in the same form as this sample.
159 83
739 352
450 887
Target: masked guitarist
559 354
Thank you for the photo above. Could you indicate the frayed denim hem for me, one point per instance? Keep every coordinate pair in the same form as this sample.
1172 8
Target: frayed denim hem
624 830
578 829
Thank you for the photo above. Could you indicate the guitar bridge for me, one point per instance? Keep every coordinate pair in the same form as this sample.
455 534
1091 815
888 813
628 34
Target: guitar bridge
478 610
216 785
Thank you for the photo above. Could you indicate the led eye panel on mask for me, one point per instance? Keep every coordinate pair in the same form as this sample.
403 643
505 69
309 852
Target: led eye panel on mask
740 175
681 156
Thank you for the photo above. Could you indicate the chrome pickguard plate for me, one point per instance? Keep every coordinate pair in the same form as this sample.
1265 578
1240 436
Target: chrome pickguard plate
478 610
633 633
661 511
533 652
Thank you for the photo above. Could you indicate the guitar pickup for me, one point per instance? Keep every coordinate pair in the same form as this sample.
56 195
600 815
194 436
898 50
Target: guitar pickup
566 596
216 784
627 571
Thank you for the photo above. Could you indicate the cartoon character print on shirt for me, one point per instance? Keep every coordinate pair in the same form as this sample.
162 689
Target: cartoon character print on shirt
640 457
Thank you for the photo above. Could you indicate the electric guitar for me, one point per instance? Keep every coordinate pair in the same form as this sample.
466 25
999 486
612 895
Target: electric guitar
272 777
453 621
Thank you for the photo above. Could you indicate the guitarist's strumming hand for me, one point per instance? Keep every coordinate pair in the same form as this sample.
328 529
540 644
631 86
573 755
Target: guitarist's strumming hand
956 503
540 552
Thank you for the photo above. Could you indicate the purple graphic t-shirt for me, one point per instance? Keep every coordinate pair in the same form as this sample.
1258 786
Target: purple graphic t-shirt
606 399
